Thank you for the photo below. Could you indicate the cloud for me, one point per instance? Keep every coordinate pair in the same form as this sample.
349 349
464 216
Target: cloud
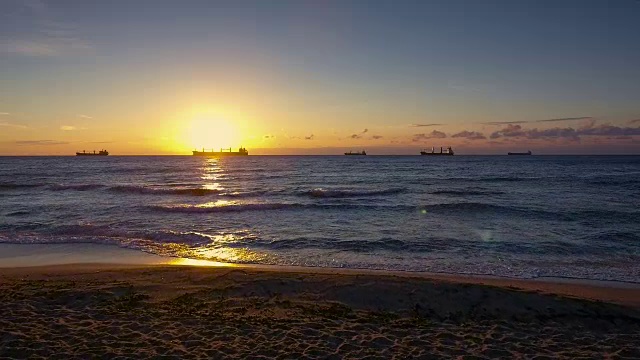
425 125
609 130
516 131
470 135
634 121
365 131
435 134
509 131
4 113
17 126
85 116
67 128
537 121
41 142
376 137
269 136
310 137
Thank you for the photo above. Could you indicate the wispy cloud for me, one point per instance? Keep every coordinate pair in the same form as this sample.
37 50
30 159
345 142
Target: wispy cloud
634 121
310 137
67 128
537 121
469 135
435 134
376 137
359 135
41 142
566 119
4 113
17 126
269 136
85 116
40 34
425 125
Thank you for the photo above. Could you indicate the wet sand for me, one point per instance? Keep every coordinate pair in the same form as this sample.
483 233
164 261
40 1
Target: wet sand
135 311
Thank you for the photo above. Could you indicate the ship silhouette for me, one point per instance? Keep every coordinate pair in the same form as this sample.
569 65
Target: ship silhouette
447 152
94 153
223 152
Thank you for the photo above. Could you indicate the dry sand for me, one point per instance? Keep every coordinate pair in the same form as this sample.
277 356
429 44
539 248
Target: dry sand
111 311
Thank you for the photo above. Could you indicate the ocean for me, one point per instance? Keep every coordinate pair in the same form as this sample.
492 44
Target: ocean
517 216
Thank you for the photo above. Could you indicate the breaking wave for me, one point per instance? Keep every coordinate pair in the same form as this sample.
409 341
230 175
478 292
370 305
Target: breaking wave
132 189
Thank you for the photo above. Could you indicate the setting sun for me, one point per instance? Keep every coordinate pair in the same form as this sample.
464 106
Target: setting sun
211 132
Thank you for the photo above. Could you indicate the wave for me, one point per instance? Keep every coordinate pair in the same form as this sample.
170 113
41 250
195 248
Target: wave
609 237
615 182
489 179
225 208
159 242
335 193
18 213
133 189
473 207
508 179
161 236
466 192
457 208
431 244
15 186
78 187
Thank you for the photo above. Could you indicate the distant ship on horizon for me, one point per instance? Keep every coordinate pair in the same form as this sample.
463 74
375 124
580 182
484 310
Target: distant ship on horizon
223 152
94 153
356 153
519 153
446 152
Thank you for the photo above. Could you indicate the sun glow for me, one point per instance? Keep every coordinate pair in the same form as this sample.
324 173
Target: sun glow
212 133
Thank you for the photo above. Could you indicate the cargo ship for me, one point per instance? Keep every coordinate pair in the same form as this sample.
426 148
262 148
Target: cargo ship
519 153
94 153
356 153
223 152
446 152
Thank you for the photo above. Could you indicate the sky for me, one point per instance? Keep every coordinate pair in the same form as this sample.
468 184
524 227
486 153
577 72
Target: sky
319 77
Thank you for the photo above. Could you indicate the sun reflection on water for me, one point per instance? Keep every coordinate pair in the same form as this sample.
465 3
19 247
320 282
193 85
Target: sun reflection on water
196 262
217 203
241 255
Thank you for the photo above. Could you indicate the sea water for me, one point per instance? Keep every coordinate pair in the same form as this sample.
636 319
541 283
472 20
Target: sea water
519 216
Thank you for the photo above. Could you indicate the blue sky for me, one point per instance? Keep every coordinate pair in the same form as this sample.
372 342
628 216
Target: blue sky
283 70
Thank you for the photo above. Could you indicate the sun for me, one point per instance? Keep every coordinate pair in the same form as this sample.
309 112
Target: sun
212 133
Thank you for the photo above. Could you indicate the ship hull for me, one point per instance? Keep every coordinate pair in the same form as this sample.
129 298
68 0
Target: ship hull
435 154
519 154
90 154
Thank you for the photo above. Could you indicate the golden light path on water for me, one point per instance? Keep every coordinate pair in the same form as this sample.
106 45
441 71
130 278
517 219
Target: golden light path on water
216 253
196 262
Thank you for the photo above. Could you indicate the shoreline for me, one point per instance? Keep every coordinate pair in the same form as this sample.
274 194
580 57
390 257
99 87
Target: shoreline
69 259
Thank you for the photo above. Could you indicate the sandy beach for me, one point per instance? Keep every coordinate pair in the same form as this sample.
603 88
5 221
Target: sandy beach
142 311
